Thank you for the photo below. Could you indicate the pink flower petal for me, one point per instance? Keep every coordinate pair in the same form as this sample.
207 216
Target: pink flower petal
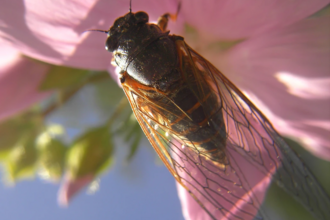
52 30
288 71
228 19
69 188
19 80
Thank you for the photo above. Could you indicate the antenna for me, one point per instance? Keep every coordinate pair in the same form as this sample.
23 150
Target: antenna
103 31
130 6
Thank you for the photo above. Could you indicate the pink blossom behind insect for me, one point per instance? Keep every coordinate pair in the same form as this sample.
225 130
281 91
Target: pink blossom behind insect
281 62
19 80
292 65
281 59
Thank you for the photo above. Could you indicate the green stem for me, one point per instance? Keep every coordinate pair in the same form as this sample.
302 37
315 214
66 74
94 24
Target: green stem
69 94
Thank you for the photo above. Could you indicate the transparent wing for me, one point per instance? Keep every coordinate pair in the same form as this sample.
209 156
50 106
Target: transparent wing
252 136
220 191
256 154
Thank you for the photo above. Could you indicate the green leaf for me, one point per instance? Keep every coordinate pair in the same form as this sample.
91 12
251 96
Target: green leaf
60 77
132 134
132 130
318 166
52 159
21 161
191 32
284 205
135 145
12 130
104 101
223 45
91 153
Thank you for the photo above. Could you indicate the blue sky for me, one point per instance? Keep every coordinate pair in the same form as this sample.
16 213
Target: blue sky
139 190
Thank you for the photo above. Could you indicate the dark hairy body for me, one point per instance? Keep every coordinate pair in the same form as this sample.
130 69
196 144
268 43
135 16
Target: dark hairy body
150 57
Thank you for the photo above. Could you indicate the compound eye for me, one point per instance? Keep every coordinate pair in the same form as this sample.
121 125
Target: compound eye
141 17
119 22
111 44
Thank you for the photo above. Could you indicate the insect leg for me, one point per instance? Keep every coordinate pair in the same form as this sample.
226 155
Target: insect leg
163 20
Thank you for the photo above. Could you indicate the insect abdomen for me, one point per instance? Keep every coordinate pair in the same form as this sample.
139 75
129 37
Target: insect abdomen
185 113
202 136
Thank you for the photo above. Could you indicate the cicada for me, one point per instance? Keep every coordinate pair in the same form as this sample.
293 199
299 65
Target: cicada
205 130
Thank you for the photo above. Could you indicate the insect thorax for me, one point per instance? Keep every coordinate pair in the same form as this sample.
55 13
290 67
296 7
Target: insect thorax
142 49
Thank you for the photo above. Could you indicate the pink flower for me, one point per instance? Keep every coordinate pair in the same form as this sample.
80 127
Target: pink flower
19 80
71 187
293 89
270 50
281 62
